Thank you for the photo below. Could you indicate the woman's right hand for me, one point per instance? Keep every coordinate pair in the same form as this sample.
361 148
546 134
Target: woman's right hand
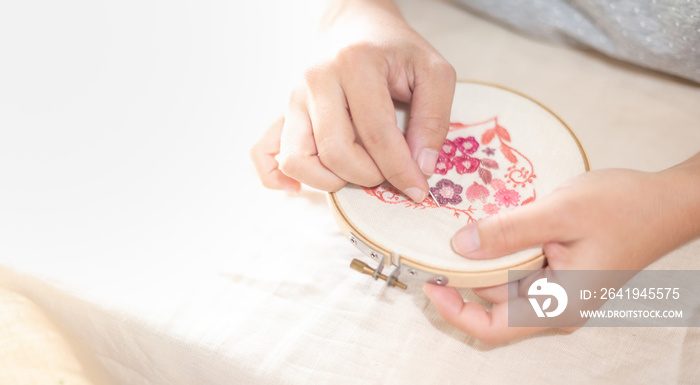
340 125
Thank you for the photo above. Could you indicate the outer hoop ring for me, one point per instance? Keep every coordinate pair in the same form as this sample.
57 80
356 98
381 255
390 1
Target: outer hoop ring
483 278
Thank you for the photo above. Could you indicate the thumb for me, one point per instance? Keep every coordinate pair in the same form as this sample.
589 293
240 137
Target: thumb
429 121
505 233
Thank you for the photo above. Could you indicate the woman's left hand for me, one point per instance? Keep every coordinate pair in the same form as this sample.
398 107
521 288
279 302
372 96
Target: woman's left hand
602 220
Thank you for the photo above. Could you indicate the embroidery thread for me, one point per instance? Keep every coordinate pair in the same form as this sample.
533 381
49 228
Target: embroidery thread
389 194
458 159
446 191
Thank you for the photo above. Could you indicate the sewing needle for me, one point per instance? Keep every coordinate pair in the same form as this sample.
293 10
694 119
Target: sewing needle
433 196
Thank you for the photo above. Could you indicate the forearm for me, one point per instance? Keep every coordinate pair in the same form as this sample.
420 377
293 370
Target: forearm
678 189
339 10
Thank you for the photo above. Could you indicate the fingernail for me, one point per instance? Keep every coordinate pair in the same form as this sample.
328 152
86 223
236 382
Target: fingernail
427 161
466 240
415 193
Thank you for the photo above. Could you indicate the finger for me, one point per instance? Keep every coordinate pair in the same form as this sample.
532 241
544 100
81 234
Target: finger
375 119
263 155
493 294
511 231
504 292
429 120
297 155
490 327
334 135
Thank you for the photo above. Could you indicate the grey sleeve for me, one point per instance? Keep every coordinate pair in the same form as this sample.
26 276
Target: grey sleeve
659 34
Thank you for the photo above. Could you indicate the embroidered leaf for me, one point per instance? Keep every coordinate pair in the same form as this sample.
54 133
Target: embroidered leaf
508 154
485 175
502 133
528 200
490 163
487 137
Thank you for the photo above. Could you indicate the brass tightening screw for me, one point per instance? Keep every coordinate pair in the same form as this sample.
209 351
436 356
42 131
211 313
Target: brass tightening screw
364 268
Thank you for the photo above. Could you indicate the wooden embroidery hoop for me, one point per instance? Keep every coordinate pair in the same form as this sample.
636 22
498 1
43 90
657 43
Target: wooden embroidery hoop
407 265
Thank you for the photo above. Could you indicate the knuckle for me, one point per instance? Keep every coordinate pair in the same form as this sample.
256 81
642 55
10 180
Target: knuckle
332 152
336 156
369 178
397 177
356 53
439 69
290 163
374 180
443 68
449 71
434 127
504 231
296 97
312 76
335 186
375 135
567 216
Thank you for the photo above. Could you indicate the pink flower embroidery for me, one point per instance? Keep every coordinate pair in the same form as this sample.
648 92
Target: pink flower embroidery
446 191
466 164
468 145
477 191
498 184
448 149
507 198
479 159
491 209
443 165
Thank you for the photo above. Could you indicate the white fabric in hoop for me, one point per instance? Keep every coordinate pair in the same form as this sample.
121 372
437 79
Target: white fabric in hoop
503 151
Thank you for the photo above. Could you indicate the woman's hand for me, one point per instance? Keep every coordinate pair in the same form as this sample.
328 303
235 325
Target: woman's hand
340 125
602 220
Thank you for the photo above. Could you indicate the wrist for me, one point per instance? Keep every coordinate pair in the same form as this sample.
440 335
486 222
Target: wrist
678 187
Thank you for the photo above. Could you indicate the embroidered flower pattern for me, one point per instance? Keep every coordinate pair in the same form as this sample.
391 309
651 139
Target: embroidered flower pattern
477 191
491 209
507 197
493 182
466 164
448 149
447 192
498 184
449 158
467 145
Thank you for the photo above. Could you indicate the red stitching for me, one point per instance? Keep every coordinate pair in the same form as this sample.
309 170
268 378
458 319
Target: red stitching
460 154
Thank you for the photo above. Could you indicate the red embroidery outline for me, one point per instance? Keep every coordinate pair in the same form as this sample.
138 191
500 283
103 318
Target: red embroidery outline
389 194
518 176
